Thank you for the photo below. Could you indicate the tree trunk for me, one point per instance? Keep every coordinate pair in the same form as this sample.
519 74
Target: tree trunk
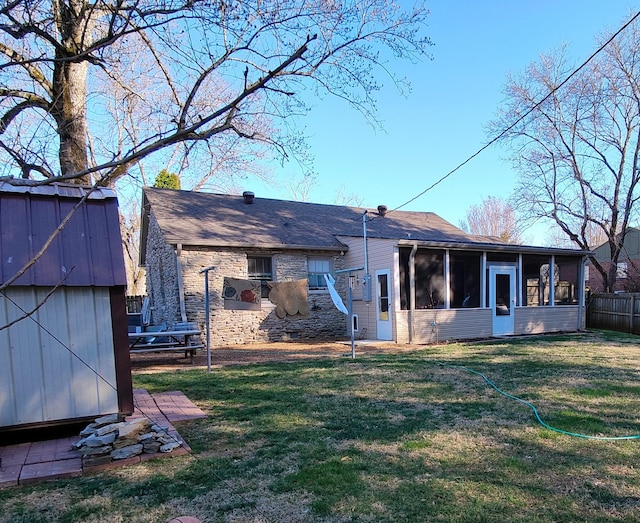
70 88
612 273
70 113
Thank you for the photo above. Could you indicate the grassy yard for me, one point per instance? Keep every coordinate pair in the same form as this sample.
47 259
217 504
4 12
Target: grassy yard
412 436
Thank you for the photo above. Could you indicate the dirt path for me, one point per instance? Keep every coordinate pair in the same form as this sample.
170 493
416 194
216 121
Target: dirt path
258 353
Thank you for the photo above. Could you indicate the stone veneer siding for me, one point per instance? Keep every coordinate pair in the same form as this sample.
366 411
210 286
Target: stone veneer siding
237 327
162 277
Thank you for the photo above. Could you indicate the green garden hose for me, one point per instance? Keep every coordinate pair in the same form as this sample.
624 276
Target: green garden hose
535 411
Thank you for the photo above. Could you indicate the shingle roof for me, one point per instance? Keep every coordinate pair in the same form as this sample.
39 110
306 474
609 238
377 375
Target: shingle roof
204 219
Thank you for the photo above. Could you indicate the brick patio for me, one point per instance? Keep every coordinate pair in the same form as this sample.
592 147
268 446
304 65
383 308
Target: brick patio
26 463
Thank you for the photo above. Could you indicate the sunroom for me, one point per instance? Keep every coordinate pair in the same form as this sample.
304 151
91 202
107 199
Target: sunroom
454 293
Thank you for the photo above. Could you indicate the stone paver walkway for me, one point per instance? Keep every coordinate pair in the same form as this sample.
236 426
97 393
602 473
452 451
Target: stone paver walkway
26 463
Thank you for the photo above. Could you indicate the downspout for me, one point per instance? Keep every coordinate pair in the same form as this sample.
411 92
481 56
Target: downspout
183 310
552 279
367 277
412 291
521 300
582 309
447 279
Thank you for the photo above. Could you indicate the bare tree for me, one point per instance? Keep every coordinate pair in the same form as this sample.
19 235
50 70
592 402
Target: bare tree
193 76
130 231
299 187
493 217
577 153
352 199
556 237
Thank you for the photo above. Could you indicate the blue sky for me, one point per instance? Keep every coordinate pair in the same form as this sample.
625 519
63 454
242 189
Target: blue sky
441 122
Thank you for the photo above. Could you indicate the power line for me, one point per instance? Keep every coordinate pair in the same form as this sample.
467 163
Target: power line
527 113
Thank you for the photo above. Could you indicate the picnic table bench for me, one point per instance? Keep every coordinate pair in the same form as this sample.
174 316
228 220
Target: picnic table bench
165 340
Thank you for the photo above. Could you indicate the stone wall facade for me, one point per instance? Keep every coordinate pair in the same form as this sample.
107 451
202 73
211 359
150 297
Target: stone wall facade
231 327
162 277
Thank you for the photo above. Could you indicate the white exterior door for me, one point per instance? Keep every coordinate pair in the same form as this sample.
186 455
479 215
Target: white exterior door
384 326
502 298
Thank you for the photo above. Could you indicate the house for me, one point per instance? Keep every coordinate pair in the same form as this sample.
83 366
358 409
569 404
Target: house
410 277
64 354
627 269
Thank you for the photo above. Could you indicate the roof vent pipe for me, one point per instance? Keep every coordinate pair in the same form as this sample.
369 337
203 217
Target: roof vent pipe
248 196
382 210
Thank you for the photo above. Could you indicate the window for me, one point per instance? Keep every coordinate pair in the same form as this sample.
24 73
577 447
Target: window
429 287
535 279
566 280
465 279
260 268
621 270
318 267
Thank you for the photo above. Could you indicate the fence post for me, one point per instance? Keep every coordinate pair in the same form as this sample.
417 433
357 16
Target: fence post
632 313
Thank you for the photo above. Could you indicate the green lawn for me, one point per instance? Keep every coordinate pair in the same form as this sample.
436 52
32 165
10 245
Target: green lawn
413 436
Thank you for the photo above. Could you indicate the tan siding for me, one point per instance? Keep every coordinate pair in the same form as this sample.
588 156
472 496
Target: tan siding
380 253
536 320
354 257
439 325
460 324
64 369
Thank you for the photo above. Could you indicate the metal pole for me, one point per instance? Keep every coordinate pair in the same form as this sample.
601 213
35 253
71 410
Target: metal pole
364 237
350 306
353 342
206 318
206 313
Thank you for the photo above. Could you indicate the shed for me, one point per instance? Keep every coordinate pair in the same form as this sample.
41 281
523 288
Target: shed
64 353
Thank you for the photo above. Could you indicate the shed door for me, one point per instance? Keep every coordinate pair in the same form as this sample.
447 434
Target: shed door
384 324
502 298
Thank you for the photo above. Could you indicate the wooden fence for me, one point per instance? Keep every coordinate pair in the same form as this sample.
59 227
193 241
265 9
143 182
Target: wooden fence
617 312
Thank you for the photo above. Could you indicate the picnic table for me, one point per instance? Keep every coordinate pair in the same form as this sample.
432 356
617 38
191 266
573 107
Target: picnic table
165 340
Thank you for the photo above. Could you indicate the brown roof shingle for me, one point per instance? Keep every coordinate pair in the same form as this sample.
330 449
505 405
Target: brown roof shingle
205 219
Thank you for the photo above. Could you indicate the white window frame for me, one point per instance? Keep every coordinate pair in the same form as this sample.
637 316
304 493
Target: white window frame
622 270
261 276
318 265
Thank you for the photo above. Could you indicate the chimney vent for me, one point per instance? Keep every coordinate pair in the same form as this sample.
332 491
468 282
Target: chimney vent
382 210
248 196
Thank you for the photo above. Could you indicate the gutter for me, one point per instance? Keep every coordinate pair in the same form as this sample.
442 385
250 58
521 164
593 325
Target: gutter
494 247
261 246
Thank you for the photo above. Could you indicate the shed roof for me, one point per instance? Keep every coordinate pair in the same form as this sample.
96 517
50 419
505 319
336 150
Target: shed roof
88 250
220 220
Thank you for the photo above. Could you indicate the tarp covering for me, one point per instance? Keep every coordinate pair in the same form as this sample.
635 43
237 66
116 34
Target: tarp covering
290 298
337 300
244 295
